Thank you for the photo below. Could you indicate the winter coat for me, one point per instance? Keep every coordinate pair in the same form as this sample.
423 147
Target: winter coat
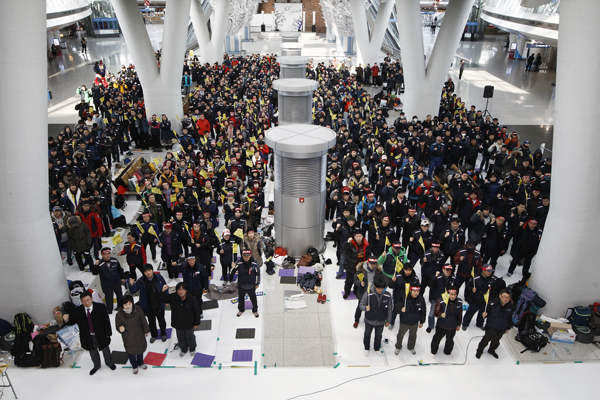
352 252
136 328
92 220
140 285
184 314
254 245
80 237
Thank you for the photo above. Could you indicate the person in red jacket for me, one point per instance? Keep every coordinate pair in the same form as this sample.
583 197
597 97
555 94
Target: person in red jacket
203 126
92 219
375 73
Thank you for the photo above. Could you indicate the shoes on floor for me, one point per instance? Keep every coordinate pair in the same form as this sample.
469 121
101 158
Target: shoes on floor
493 353
432 355
509 274
181 354
465 327
379 353
412 351
143 366
478 354
366 353
93 371
163 338
152 339
135 371
239 314
450 355
256 315
428 330
397 350
192 353
320 298
112 367
324 299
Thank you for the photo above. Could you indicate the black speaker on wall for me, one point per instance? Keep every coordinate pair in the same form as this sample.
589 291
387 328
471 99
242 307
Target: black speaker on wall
488 92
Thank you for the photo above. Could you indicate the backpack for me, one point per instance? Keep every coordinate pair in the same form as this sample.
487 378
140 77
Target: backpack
314 253
579 316
595 317
281 252
23 323
288 263
51 355
528 336
525 302
27 352
120 201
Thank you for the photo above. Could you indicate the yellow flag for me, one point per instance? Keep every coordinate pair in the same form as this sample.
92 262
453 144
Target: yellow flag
473 273
421 243
156 190
387 241
239 233
156 161
217 235
116 239
105 120
152 231
203 173
222 168
173 198
445 296
252 139
486 296
249 163
140 227
196 195
399 265
406 288
178 185
235 248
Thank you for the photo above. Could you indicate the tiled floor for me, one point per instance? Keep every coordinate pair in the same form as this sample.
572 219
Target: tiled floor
564 352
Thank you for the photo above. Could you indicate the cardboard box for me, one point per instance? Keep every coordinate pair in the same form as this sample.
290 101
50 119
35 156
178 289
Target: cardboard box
562 333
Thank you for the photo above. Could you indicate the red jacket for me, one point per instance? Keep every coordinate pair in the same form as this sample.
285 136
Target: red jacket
202 126
93 222
375 71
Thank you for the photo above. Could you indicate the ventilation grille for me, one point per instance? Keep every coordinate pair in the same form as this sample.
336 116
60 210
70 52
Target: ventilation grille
291 52
287 72
300 177
289 39
295 109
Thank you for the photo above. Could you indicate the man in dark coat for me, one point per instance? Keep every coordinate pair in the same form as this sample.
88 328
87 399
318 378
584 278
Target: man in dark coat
150 286
499 318
185 316
94 329
525 246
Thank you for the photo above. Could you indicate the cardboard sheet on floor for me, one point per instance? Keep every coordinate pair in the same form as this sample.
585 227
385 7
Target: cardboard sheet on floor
120 357
169 333
286 272
155 359
209 305
290 293
245 333
205 325
295 304
242 355
305 270
351 296
202 360
288 279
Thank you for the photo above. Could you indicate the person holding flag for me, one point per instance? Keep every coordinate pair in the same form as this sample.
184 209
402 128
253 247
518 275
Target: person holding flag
448 311
412 317
228 256
146 230
431 263
439 286
403 279
420 242
136 254
498 313
391 262
378 309
237 225
363 283
478 287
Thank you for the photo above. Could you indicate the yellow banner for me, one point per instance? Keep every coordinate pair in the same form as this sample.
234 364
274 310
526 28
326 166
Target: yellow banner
178 185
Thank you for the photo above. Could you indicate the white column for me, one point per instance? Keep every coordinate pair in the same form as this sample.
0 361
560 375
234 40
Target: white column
369 47
211 44
162 91
565 273
423 86
32 277
521 50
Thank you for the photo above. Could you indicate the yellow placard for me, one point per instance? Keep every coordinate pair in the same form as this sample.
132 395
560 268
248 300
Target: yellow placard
252 139
105 120
235 248
173 198
155 190
239 233
156 161
116 239
203 173
178 185
249 163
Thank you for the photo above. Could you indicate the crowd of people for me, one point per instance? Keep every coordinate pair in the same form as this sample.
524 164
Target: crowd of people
449 192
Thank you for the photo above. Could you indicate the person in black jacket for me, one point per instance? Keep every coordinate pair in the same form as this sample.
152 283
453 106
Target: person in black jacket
248 281
227 257
111 277
378 309
94 329
449 315
439 285
185 316
195 275
478 287
525 245
171 249
499 318
431 263
150 286
495 244
452 239
412 317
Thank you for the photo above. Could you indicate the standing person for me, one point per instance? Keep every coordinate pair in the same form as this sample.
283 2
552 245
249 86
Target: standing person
412 317
227 257
356 250
83 45
248 281
186 83
80 240
525 246
478 287
449 315
93 221
363 284
185 316
150 286
195 275
378 309
530 62
170 248
136 254
439 285
391 262
148 232
111 277
461 69
94 329
131 323
431 264
498 316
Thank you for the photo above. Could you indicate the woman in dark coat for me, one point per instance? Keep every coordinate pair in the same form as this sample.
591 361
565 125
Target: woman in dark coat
132 325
